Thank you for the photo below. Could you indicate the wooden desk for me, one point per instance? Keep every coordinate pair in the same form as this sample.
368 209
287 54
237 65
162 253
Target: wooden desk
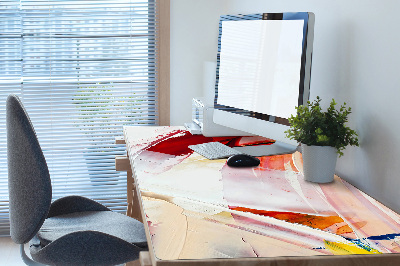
202 212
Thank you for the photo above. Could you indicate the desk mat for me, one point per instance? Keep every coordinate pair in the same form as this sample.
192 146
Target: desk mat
199 208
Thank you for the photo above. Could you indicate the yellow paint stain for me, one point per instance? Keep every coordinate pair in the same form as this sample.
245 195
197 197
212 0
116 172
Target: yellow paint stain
338 248
157 196
224 214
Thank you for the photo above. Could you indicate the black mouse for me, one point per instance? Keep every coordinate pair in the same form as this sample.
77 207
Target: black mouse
242 160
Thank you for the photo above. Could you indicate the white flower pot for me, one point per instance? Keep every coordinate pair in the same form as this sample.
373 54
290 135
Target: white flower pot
319 163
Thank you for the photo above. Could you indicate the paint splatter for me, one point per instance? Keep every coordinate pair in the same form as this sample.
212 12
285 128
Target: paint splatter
338 248
277 162
314 221
177 144
249 141
384 237
345 229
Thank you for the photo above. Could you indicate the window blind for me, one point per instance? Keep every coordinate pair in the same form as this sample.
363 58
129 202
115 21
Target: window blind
83 69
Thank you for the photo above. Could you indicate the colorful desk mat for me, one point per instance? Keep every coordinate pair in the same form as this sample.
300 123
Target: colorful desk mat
198 208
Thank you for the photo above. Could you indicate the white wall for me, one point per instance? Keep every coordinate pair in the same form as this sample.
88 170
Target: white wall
194 41
356 60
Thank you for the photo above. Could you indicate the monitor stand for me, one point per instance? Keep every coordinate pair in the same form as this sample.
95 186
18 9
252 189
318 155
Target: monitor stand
267 150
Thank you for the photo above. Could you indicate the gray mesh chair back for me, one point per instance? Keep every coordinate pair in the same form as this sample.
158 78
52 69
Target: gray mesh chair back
28 176
72 230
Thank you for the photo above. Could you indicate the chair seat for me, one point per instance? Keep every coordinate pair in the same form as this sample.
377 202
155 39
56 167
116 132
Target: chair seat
108 222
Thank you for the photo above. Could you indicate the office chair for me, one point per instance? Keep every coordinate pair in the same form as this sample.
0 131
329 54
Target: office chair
70 231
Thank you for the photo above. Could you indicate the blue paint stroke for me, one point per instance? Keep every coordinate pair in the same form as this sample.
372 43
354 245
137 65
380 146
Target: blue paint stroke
380 237
383 237
362 245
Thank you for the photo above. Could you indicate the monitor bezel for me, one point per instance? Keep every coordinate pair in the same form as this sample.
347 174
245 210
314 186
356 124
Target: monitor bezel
305 69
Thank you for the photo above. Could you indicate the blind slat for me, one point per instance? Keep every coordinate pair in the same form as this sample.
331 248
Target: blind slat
83 70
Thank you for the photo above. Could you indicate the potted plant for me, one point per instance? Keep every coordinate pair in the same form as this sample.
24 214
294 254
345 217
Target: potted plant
100 108
323 136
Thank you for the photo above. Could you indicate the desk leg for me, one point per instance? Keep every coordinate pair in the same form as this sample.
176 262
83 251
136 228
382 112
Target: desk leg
133 210
133 263
133 199
129 192
144 260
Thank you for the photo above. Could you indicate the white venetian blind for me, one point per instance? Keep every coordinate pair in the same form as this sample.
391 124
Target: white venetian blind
83 69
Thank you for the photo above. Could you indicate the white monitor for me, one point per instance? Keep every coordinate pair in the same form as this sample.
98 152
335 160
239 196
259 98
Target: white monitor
263 73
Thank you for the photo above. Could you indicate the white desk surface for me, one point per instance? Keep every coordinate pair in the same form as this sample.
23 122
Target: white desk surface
203 212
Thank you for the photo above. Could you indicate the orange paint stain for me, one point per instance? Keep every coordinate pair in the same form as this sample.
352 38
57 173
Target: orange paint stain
273 162
277 162
254 140
344 230
359 225
293 167
314 221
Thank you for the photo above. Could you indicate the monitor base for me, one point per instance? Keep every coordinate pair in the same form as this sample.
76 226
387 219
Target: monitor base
277 148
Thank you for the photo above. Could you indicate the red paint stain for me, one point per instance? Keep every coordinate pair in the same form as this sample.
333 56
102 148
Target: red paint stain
314 221
249 141
176 142
243 141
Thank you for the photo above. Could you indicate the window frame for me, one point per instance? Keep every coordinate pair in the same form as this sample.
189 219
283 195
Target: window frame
163 88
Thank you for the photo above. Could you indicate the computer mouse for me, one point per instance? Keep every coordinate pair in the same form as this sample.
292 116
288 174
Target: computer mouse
242 160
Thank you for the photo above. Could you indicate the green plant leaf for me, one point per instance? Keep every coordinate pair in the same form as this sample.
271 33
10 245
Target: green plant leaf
312 126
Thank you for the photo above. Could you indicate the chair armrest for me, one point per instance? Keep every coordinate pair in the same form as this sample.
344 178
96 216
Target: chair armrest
72 204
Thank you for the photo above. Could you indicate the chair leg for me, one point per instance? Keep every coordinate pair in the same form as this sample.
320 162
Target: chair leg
26 259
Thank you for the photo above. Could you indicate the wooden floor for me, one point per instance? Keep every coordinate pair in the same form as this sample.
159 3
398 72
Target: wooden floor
9 253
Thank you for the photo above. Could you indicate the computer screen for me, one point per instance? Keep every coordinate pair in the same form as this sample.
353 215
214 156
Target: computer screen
263 73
